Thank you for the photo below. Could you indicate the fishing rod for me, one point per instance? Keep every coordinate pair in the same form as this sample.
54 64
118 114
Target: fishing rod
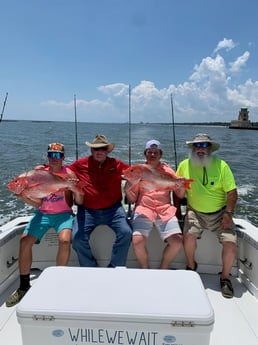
2 113
129 124
180 204
76 132
173 128
129 210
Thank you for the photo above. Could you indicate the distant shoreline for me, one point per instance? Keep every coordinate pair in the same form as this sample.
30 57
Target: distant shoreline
224 124
216 124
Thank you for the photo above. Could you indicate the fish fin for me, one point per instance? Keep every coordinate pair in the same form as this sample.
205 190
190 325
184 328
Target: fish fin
40 167
147 185
62 175
134 184
32 185
187 183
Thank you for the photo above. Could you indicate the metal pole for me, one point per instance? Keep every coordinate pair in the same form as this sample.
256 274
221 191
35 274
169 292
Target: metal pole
173 128
76 132
129 131
129 210
2 114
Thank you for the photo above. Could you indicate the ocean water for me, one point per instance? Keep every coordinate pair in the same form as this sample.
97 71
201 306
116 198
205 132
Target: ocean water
23 145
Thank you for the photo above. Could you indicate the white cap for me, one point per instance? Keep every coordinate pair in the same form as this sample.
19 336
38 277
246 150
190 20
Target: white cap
152 144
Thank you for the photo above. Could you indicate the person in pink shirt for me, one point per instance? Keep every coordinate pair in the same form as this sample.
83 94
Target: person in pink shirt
154 208
52 211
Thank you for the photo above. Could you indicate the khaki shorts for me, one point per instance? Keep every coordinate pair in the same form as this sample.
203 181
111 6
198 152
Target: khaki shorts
196 222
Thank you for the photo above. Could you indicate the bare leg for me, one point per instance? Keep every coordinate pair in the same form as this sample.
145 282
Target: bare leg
229 252
190 245
174 243
64 248
25 253
140 250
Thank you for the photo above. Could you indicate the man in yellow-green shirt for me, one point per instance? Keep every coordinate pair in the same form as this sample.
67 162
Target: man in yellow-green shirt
210 204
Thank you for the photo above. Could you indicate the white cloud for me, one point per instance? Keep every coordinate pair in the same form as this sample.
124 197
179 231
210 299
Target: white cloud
226 44
212 92
117 89
209 68
245 95
239 62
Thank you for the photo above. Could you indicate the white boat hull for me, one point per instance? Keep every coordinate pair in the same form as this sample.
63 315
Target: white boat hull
235 319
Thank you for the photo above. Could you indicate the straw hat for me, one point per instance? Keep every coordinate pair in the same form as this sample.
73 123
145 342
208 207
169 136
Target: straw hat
203 138
101 141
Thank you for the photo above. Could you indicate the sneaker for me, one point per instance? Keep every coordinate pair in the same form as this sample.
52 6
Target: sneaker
226 288
15 297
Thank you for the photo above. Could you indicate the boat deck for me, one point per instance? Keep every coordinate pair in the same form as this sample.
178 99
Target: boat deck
235 319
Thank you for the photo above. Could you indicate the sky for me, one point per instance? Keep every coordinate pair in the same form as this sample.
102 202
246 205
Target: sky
200 54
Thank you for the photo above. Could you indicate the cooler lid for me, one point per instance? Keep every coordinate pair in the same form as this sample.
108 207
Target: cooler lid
118 294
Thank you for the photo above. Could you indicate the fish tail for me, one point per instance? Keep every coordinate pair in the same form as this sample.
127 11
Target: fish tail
187 183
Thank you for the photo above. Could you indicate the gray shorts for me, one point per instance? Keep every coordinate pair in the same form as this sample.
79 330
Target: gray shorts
196 222
143 226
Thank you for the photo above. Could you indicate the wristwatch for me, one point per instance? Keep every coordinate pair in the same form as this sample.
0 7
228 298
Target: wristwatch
230 213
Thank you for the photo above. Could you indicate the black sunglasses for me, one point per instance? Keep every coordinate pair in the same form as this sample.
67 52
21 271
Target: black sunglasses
100 148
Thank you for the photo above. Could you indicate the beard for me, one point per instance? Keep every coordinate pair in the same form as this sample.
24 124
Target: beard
201 161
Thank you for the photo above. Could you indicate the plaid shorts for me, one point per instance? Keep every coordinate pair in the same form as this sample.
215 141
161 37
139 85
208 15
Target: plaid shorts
143 226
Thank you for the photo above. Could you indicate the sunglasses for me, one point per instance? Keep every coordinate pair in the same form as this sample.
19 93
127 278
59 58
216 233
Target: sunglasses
100 148
57 155
203 145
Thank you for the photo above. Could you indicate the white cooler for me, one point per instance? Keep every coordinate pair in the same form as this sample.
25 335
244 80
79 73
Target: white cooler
115 306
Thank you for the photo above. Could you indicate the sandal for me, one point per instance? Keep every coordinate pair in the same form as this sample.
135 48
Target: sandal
192 269
226 288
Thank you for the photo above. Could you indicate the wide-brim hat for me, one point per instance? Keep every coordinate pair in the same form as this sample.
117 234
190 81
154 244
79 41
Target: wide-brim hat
101 141
55 147
203 138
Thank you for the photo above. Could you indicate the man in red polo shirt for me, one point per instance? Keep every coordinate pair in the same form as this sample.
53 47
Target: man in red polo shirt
101 203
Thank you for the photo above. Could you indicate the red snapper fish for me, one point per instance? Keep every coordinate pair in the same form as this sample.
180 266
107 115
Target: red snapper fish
39 183
151 178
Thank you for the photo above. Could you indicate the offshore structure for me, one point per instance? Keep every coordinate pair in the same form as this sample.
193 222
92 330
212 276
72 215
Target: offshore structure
243 121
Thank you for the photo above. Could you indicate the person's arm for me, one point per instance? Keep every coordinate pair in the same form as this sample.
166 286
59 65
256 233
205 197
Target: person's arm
78 198
69 198
131 192
32 202
229 211
180 192
179 198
